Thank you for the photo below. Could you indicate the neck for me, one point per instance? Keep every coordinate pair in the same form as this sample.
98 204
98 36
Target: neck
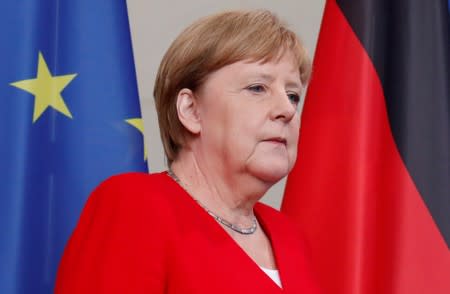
231 196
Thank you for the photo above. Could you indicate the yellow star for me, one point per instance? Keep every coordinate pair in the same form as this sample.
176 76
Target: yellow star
46 89
138 123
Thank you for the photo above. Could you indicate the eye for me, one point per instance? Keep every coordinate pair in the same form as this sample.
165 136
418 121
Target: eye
256 88
294 98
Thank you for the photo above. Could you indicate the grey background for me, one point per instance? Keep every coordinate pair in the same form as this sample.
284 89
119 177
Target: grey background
155 24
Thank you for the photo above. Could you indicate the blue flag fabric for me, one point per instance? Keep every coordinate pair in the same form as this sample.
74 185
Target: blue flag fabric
69 118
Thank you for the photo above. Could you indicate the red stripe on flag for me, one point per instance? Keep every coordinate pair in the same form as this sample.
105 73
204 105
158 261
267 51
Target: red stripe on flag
350 193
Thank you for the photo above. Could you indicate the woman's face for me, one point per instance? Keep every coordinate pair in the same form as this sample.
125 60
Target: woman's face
250 118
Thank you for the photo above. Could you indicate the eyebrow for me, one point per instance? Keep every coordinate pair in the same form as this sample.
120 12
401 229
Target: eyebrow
265 76
270 78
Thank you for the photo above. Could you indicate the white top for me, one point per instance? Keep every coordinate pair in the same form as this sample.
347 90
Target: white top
273 274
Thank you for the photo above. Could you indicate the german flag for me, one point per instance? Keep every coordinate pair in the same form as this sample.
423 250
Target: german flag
371 186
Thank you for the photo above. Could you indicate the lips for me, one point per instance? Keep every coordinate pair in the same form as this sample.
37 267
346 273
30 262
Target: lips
277 140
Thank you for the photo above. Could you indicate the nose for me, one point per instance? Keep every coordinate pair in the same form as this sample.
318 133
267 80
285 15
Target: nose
282 108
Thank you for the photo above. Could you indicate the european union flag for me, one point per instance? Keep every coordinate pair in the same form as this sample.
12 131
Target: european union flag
69 118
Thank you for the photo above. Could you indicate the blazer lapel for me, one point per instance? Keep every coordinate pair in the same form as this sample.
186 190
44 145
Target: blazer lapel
289 251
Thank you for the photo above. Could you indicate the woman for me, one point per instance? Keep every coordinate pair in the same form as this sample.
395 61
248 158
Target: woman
228 97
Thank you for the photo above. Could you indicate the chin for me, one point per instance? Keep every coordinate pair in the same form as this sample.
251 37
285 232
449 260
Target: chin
270 173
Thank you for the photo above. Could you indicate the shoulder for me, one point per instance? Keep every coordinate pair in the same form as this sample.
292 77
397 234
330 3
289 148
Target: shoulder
132 186
132 181
125 224
131 196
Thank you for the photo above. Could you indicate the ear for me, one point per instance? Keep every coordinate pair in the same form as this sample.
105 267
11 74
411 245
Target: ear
187 109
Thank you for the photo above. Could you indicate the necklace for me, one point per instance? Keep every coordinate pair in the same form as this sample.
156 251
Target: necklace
238 229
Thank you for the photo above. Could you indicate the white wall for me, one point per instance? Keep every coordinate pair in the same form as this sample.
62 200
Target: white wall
156 23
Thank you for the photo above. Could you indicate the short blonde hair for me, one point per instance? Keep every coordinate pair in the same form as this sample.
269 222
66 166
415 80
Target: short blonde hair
209 44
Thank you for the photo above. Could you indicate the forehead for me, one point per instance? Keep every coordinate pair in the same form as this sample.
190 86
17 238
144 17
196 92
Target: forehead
284 66
286 60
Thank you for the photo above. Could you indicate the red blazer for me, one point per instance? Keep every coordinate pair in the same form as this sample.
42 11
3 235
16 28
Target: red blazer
141 233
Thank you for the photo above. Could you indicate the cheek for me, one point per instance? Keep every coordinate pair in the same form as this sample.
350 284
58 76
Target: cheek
246 124
242 140
294 126
235 138
294 132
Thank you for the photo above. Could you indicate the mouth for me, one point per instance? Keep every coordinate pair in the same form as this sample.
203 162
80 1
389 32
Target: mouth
277 140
